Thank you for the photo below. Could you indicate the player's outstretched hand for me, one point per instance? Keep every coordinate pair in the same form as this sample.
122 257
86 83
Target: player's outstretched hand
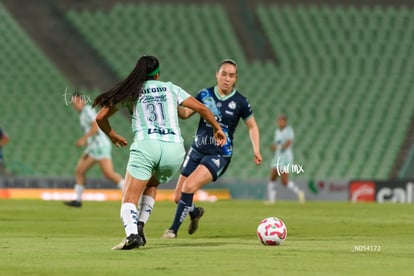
220 137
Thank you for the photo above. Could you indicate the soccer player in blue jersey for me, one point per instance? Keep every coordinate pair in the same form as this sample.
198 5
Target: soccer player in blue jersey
205 161
157 150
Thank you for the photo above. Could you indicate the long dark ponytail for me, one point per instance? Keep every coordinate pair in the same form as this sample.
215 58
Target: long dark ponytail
130 88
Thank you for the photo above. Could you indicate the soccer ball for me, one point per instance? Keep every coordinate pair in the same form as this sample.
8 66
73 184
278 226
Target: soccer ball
272 231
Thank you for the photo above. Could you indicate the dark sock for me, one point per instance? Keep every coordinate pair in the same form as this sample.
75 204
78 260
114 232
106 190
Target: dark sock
182 210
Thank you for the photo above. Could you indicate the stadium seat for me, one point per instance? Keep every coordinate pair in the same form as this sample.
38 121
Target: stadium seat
364 52
344 77
42 128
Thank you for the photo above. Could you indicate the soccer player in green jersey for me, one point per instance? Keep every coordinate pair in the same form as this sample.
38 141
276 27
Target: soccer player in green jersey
157 150
98 149
282 160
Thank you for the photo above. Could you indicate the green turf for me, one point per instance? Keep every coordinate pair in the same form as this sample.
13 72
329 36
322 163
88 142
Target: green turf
48 238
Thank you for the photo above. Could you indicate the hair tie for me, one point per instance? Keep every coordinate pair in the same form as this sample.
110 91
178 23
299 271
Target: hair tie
153 73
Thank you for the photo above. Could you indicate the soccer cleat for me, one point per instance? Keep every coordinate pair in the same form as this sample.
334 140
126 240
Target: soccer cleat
141 233
130 242
301 197
169 234
194 220
73 203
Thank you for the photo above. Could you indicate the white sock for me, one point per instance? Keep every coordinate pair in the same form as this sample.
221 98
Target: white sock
291 185
271 191
121 184
129 218
79 191
145 208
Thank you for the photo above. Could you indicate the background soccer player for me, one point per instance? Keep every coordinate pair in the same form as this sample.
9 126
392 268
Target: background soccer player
283 158
98 149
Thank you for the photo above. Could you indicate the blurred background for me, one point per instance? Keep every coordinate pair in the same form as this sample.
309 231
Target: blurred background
343 72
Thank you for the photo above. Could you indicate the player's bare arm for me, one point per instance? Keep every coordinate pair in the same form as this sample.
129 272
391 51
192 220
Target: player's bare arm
254 139
209 117
184 112
286 144
102 119
4 140
92 131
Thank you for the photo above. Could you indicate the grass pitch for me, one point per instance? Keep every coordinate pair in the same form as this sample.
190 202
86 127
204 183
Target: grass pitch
324 238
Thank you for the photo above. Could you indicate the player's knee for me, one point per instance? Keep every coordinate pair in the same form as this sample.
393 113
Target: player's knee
79 171
190 188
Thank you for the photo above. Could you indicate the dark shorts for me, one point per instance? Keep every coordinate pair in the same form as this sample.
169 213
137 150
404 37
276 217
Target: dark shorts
215 163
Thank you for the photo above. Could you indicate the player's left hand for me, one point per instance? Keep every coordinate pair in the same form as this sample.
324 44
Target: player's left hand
220 137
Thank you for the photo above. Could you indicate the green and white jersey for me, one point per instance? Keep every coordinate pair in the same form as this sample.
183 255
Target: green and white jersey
281 137
87 116
154 115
